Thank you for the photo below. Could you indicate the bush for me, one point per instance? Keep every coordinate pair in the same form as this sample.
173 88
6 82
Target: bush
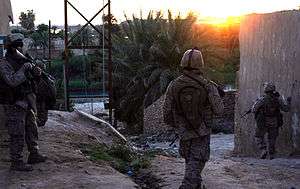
121 157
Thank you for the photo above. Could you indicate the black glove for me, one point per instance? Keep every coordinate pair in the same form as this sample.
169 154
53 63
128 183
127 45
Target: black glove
276 94
27 66
289 99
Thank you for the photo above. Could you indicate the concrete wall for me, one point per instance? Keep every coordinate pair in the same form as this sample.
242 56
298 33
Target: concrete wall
5 11
270 51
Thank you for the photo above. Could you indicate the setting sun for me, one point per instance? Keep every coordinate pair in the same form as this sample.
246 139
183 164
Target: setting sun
221 9
217 11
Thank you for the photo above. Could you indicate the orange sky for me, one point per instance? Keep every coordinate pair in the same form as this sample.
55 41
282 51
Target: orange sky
53 9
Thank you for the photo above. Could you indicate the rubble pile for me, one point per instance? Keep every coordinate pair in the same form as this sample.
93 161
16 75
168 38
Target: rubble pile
153 117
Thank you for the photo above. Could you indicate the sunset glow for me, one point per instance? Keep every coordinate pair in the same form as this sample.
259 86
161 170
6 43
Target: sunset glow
213 11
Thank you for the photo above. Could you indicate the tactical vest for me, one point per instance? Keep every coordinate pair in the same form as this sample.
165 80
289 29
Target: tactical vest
271 107
9 95
191 101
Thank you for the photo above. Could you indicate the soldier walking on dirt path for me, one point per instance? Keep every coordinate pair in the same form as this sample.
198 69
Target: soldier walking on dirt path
268 116
17 94
190 101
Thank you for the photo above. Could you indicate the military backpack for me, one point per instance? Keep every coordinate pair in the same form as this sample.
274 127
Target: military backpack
191 101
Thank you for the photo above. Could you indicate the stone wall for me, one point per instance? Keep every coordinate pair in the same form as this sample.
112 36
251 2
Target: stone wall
270 51
225 123
153 117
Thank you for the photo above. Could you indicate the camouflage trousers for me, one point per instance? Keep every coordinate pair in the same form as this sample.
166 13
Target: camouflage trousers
272 133
22 127
196 153
42 114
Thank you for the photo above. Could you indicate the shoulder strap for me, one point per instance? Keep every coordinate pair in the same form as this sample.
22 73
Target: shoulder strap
194 79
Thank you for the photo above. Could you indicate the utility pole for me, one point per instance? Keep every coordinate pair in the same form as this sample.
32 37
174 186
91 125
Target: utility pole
110 84
66 57
49 46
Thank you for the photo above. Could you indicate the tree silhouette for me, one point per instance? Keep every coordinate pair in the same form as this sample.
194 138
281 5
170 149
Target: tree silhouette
27 20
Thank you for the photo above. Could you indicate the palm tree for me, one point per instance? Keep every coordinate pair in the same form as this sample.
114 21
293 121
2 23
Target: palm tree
40 38
146 58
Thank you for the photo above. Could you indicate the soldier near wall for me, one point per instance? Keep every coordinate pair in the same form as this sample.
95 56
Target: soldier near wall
17 95
269 119
190 101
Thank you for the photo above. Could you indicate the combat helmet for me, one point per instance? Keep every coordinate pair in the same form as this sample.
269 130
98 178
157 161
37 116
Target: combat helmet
192 60
269 87
15 40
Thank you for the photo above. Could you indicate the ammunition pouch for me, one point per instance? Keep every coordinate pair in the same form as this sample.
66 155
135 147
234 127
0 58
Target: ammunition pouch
260 119
9 95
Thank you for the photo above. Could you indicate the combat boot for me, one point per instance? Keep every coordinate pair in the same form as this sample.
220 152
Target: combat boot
35 158
271 156
264 154
20 166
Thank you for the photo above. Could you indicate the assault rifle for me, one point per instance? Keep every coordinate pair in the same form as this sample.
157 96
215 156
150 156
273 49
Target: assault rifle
48 80
246 113
28 58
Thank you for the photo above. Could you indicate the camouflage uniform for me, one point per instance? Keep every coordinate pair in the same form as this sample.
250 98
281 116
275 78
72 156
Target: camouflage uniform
19 102
269 107
194 144
21 120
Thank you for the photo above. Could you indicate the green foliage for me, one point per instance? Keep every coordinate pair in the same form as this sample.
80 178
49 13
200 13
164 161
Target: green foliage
27 20
147 53
42 28
146 57
119 156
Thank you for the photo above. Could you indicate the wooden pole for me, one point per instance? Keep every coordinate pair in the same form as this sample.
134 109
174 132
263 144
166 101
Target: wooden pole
110 84
49 45
66 70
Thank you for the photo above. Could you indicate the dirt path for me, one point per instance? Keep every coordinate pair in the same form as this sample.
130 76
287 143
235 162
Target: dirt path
224 172
67 167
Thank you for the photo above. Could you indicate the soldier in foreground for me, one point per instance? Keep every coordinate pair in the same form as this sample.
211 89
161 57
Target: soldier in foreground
17 96
188 104
267 110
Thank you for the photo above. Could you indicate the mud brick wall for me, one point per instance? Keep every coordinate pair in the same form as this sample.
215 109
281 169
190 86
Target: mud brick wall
153 117
5 11
270 51
3 136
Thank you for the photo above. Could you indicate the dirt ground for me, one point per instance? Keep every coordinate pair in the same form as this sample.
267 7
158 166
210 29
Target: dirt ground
225 172
67 167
